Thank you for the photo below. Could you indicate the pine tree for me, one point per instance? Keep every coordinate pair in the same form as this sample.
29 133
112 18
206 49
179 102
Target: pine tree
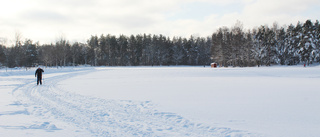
31 54
123 53
177 51
93 47
3 57
306 42
316 51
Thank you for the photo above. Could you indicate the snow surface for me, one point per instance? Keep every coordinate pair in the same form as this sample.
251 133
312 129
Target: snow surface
161 101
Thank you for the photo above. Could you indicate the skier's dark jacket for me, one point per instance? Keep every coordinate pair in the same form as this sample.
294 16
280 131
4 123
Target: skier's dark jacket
39 73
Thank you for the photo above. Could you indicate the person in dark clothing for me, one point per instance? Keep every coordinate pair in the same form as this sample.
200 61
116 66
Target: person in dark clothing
38 74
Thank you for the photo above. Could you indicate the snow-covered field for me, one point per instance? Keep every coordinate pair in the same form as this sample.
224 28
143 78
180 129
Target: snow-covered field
161 101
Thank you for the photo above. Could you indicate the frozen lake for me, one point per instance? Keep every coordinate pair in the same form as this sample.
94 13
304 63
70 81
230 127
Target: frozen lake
162 101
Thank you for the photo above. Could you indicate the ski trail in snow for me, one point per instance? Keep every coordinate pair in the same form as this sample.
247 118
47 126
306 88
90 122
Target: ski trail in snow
104 117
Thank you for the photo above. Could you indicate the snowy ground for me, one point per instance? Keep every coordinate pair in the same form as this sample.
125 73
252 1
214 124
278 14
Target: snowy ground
161 101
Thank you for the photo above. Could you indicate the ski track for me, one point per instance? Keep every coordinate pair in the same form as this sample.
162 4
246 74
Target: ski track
103 117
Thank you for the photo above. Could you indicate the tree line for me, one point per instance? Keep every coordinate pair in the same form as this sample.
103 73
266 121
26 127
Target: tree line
267 45
228 46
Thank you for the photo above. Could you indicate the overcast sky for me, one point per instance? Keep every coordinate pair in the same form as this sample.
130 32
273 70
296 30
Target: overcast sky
76 20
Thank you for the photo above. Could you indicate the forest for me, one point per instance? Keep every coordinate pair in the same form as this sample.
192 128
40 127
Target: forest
228 46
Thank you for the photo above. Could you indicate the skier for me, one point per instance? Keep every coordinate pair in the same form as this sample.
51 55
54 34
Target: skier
38 74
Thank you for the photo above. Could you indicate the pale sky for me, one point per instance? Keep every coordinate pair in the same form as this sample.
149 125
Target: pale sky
76 20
